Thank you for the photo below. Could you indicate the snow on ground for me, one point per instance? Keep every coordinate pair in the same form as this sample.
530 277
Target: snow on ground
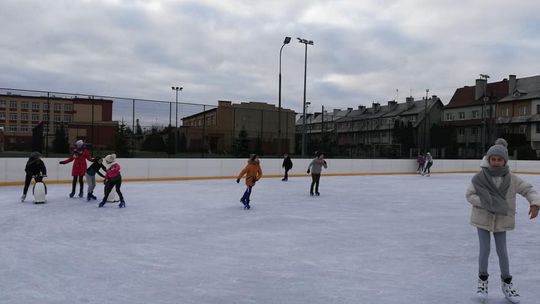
366 239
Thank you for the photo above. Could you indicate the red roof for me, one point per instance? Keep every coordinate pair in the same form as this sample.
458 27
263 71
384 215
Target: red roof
464 97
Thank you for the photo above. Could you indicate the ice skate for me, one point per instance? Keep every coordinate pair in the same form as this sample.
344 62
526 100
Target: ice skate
23 197
317 194
101 204
81 194
122 204
72 194
482 290
509 292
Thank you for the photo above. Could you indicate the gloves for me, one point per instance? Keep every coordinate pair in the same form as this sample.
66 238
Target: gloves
308 171
237 180
61 162
325 163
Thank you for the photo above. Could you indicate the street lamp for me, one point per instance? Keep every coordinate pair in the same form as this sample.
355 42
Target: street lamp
176 89
485 98
305 42
285 41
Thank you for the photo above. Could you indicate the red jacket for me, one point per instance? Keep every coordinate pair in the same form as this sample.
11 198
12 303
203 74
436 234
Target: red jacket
113 171
80 158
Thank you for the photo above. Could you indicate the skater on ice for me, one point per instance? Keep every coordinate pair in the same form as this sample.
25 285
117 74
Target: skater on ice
35 168
91 172
253 173
420 160
315 167
492 195
428 163
287 165
113 179
79 156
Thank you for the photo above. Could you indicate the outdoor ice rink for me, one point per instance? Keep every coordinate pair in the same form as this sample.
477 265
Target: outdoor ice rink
367 239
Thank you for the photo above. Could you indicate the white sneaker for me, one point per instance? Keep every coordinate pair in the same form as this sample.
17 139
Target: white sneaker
482 290
510 293
23 197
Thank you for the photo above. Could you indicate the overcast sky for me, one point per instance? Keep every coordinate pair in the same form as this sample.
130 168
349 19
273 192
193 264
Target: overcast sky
229 49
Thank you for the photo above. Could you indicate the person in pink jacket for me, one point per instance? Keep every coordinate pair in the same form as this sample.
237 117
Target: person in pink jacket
113 179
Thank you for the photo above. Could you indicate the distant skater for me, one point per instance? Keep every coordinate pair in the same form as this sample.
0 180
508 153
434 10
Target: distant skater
315 167
287 165
253 173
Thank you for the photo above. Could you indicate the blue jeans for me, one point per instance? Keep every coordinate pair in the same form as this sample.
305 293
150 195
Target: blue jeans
247 194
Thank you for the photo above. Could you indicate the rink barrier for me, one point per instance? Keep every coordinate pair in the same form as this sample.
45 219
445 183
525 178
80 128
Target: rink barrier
145 170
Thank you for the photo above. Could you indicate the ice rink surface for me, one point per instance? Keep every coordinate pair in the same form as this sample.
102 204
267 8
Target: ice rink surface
366 239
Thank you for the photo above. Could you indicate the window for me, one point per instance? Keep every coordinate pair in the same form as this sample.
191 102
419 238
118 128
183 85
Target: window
35 117
2 116
57 118
67 118
523 111
507 112
12 128
474 131
537 108
13 105
413 118
45 106
24 105
24 128
24 116
474 114
461 115
35 106
449 116
67 107
2 104
57 107
523 129
538 128
461 131
12 116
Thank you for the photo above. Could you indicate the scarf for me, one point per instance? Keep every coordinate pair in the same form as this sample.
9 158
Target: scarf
493 198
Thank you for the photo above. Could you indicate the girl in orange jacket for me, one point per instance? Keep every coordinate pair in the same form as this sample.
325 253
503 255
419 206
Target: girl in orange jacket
253 173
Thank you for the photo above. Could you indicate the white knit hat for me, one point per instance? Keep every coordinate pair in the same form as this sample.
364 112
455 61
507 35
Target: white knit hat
79 143
110 158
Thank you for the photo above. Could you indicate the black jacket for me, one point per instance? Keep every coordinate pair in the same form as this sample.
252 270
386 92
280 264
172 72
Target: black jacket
94 169
287 163
35 166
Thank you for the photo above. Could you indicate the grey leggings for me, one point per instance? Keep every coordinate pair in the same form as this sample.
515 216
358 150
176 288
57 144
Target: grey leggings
91 181
484 237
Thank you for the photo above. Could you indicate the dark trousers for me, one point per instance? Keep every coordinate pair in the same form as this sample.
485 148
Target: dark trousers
74 183
247 194
113 183
420 168
428 166
286 173
27 181
315 178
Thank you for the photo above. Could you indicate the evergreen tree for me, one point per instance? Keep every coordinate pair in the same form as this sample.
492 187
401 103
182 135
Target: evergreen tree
138 129
121 146
171 142
153 142
241 144
60 141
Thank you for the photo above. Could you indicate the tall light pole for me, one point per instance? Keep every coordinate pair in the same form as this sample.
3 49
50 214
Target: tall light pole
425 121
285 41
305 42
176 89
485 98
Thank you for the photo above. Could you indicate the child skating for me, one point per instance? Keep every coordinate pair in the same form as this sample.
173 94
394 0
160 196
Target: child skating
113 179
35 168
492 195
420 160
287 165
428 160
79 156
91 172
253 173
315 167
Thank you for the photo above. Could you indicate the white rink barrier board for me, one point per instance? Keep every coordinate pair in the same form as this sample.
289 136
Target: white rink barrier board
142 169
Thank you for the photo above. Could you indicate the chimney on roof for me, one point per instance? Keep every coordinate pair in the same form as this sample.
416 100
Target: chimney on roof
376 107
410 102
362 108
392 104
511 84
408 99
480 88
224 103
434 97
336 110
349 109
